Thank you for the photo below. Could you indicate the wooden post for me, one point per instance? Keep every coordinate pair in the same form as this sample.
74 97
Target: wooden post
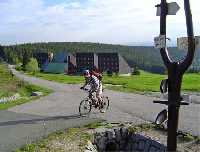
175 73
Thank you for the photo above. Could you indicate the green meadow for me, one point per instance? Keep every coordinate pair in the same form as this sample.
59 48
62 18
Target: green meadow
145 82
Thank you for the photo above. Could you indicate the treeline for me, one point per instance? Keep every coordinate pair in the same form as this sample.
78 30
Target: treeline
143 57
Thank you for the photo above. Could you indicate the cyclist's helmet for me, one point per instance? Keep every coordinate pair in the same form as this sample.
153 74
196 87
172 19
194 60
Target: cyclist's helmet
86 73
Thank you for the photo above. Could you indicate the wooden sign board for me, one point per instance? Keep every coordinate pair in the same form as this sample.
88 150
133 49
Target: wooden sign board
160 42
173 8
182 43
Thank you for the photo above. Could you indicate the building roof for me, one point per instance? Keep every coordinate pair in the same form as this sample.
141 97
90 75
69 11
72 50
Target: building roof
55 68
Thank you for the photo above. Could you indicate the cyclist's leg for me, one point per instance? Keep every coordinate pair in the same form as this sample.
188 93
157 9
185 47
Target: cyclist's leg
98 93
92 90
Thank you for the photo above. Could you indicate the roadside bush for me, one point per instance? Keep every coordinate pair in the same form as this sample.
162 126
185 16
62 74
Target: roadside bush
116 74
136 71
18 67
1 60
32 66
109 73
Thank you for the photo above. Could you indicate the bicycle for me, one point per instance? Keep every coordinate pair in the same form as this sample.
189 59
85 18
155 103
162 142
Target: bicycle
88 103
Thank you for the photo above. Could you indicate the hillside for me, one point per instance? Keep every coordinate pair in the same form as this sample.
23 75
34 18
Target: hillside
145 57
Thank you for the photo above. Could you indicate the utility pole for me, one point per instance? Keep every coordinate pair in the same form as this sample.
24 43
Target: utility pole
176 70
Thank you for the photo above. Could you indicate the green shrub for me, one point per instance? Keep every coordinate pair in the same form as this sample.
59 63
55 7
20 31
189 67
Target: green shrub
109 73
18 67
136 71
32 66
1 60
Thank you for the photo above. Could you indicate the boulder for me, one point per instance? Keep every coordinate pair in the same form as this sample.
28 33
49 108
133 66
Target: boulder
36 94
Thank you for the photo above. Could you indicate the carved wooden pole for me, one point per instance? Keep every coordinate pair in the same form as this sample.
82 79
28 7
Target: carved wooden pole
175 72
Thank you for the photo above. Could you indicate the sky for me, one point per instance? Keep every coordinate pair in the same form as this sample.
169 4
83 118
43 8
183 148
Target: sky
126 22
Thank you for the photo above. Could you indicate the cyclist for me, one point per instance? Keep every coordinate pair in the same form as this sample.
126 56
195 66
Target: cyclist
95 85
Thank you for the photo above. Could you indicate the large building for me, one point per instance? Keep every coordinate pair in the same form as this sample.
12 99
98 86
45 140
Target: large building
108 62
103 62
86 61
75 63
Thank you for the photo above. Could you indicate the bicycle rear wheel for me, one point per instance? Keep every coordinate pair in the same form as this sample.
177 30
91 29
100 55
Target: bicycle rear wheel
161 117
85 107
105 104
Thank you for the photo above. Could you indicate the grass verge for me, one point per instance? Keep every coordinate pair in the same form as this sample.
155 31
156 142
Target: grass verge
10 85
25 93
72 140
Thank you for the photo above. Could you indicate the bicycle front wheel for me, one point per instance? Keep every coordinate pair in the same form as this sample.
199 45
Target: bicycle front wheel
85 107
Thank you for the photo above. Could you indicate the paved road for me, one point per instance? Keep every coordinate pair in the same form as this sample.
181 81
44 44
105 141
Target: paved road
33 120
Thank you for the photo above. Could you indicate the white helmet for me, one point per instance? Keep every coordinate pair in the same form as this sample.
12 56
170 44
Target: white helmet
86 73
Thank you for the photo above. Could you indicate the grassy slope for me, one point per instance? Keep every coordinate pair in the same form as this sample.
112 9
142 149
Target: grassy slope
145 82
10 85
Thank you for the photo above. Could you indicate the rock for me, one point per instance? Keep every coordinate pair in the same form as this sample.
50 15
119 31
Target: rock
36 94
117 135
16 96
110 134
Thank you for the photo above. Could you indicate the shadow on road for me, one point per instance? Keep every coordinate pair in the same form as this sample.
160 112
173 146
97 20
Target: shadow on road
33 121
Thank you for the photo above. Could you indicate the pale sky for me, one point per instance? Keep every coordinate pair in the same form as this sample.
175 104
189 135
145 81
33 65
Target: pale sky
104 21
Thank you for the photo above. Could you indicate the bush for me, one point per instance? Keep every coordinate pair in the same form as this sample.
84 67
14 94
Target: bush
136 71
109 73
18 67
1 60
32 66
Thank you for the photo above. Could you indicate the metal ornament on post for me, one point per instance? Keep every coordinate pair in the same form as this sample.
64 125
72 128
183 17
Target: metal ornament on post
175 69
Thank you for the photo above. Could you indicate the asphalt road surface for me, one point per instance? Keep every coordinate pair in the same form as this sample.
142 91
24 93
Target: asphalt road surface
25 123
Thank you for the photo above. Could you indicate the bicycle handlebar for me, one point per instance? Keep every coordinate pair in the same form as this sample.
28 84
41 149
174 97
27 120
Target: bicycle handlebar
84 89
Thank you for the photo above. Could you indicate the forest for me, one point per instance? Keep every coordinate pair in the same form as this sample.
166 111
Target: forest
143 57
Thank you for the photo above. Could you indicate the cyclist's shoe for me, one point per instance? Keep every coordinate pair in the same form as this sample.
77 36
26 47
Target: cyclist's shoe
102 111
101 106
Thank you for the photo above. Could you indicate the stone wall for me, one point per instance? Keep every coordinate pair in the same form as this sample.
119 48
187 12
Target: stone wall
121 139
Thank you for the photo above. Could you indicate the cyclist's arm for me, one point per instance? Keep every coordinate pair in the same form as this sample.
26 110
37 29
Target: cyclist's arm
86 83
